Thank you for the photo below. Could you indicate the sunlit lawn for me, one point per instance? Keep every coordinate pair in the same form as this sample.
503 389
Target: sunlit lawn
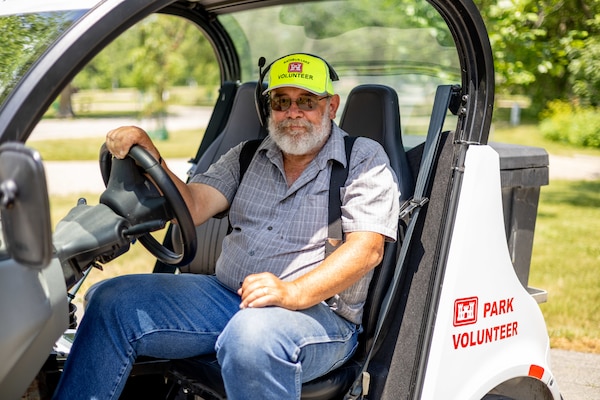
529 135
180 144
566 249
566 262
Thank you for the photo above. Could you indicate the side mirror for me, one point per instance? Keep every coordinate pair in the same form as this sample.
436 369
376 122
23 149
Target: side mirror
24 206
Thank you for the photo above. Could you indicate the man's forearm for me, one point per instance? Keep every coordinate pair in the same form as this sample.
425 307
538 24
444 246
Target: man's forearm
361 252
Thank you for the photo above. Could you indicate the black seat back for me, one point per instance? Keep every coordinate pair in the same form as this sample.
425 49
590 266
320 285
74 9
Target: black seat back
243 124
373 111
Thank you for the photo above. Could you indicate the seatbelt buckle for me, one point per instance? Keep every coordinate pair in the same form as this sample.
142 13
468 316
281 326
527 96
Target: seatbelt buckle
407 208
360 387
366 383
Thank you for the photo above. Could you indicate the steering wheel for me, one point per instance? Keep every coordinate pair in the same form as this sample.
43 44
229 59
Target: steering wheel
132 195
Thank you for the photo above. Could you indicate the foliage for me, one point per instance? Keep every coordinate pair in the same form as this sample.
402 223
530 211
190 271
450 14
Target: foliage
548 50
575 125
391 13
159 52
24 38
584 70
545 48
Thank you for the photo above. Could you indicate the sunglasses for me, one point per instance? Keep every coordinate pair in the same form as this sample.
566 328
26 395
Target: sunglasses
304 103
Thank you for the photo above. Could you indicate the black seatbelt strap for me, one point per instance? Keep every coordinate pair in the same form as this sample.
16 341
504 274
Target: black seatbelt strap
339 174
410 209
246 154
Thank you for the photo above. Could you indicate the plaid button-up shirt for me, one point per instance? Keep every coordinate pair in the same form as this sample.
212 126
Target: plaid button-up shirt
282 230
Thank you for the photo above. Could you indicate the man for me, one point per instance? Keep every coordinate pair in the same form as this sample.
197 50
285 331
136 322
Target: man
277 313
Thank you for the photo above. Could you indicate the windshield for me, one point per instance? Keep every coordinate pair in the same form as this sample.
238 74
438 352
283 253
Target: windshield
25 36
402 44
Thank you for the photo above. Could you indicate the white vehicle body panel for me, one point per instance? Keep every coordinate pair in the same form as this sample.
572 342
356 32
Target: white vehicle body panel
488 328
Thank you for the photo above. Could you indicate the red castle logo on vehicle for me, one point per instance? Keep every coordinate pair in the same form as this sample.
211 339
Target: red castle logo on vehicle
295 67
465 311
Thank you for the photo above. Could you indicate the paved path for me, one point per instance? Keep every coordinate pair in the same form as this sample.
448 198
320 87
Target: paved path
75 177
180 118
577 374
577 167
82 177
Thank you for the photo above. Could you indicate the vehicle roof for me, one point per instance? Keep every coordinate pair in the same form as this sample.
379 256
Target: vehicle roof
10 7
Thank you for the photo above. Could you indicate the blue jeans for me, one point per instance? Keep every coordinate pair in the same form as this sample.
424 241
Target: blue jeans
264 353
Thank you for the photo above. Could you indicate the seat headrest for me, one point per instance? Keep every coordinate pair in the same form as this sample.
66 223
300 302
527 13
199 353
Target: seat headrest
373 111
243 124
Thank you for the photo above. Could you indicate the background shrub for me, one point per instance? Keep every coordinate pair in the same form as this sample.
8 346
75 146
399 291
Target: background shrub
570 124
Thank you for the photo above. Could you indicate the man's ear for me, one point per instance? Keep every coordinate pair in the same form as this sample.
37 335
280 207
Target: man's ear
334 104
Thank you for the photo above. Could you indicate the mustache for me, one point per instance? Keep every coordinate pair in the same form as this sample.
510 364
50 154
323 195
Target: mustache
293 123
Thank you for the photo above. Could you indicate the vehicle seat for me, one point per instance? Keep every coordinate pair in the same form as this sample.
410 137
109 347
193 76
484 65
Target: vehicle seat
371 111
243 124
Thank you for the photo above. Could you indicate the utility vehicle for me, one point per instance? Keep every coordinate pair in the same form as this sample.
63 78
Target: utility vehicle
450 312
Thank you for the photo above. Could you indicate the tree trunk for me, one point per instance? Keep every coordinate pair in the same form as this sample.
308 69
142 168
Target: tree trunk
65 107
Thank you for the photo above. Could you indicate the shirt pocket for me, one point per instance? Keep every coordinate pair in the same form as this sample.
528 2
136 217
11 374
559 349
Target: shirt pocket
307 222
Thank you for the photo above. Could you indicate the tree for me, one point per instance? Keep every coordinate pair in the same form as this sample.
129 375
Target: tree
160 51
65 106
584 70
541 47
156 54
24 38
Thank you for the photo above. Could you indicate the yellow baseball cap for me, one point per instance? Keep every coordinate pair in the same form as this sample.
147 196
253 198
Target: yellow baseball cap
302 71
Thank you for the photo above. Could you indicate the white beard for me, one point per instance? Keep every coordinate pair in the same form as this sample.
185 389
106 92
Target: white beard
300 141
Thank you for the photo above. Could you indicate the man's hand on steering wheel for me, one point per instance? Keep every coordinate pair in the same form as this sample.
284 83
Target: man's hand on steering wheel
120 140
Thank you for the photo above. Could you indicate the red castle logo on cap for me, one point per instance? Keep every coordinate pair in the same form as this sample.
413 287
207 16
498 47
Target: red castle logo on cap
295 67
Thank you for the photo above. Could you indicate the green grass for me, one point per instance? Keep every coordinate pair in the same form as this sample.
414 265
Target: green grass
529 135
180 144
566 250
566 262
69 149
